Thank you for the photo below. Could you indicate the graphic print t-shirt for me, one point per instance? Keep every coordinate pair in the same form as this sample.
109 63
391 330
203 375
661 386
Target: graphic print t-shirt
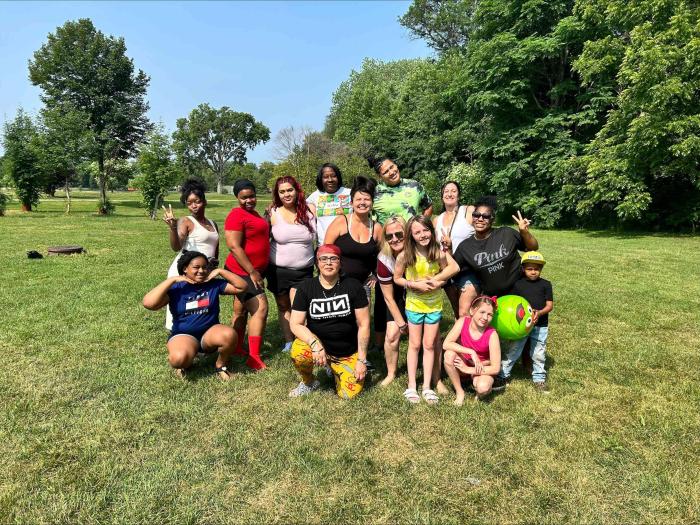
406 199
537 294
330 314
195 307
328 207
494 259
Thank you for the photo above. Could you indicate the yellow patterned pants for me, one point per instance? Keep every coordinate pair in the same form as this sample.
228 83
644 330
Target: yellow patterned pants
346 386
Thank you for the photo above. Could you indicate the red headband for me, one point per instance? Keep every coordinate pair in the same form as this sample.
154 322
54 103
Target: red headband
328 248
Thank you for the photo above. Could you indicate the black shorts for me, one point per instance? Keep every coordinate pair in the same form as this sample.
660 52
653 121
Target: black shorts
280 279
251 291
382 315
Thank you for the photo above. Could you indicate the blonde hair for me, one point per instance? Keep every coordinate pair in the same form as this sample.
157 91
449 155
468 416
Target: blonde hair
411 246
384 246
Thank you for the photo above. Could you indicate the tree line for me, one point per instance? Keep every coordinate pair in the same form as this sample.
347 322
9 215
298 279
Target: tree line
578 112
93 126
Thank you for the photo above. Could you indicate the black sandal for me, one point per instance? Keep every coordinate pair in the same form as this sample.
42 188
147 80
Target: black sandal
223 373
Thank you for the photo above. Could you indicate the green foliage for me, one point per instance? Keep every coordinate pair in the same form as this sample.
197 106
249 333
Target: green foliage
79 69
214 138
156 170
21 161
4 199
574 111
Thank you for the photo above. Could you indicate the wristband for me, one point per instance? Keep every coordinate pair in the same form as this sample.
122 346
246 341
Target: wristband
364 361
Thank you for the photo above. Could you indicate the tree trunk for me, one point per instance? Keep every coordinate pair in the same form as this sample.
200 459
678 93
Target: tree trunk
219 183
103 186
67 189
154 211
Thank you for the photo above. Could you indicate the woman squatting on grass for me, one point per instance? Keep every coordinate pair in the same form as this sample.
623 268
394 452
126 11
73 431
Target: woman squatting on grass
193 300
473 350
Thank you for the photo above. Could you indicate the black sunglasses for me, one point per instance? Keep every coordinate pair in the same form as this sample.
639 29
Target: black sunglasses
398 236
485 216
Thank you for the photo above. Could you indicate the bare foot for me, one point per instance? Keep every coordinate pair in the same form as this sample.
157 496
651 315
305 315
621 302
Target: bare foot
459 400
387 380
441 389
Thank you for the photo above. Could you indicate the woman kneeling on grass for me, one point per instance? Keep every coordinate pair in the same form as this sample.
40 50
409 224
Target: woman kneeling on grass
472 349
330 319
193 300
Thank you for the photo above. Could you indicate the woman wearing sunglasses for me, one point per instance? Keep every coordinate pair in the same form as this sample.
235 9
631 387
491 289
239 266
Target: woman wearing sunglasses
390 312
492 253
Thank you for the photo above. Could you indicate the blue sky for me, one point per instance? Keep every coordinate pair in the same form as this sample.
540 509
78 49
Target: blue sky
280 61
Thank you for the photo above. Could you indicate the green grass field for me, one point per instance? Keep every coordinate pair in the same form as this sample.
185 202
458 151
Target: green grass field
94 428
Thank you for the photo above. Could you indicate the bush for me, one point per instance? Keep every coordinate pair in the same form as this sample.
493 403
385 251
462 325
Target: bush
3 203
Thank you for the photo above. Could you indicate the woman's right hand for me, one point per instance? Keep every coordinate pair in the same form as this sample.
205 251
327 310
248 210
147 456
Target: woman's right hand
257 279
169 217
478 365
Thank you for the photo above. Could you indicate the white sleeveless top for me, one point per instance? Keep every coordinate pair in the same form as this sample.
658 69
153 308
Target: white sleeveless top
461 229
199 240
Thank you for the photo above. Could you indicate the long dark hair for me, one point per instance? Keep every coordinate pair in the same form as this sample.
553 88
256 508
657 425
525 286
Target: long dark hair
300 204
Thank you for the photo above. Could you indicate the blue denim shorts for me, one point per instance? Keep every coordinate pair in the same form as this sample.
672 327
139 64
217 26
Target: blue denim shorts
418 318
463 279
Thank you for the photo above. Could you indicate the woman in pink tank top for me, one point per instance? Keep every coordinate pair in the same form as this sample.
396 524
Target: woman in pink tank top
472 349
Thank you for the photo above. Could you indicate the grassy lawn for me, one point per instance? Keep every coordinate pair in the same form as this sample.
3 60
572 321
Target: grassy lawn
95 428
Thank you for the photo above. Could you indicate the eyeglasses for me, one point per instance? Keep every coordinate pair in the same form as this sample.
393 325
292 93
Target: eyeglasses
485 216
398 236
329 259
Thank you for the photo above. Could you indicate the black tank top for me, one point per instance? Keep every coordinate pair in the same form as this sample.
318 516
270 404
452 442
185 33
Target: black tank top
358 259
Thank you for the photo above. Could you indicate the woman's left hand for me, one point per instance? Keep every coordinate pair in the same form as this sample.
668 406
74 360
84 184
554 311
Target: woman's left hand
523 223
371 281
213 274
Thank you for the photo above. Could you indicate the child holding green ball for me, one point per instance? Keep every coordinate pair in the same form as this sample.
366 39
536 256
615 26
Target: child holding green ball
538 293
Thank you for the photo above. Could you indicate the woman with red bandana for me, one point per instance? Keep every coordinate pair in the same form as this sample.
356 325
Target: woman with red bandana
330 319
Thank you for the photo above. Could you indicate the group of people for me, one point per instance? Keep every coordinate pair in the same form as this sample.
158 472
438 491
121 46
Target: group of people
322 257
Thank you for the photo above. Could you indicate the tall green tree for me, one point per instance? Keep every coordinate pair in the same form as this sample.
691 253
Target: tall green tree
21 162
64 143
215 138
80 68
156 170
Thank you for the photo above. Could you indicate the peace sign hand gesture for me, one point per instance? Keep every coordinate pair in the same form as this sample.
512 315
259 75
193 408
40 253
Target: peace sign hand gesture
445 241
523 223
168 216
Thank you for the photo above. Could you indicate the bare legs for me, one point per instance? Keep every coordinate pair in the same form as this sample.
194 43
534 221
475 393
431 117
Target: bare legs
391 351
183 348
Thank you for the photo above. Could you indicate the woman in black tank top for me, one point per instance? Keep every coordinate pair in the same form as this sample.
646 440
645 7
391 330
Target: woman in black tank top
357 235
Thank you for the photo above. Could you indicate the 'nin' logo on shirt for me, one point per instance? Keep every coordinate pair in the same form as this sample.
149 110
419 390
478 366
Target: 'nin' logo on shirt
337 306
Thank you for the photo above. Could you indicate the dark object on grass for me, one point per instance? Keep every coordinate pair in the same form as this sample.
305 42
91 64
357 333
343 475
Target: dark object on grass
65 250
33 254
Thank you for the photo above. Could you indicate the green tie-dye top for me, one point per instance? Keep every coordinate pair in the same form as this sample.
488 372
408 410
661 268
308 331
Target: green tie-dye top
406 199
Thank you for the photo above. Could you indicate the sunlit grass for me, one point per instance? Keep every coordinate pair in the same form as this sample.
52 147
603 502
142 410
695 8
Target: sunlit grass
94 427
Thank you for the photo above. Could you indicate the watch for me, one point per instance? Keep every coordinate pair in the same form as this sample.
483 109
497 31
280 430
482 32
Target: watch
364 362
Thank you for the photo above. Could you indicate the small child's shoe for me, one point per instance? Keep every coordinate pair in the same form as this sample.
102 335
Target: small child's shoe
541 386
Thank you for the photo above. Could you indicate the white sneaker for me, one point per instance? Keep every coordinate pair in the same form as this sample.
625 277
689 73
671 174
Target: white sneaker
287 347
303 389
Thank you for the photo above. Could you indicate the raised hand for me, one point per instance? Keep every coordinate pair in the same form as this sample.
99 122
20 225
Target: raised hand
445 241
523 223
169 217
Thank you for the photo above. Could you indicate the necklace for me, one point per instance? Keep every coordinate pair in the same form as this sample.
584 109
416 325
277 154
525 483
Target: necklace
331 290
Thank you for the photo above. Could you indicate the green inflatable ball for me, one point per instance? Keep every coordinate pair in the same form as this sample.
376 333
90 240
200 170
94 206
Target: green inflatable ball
512 318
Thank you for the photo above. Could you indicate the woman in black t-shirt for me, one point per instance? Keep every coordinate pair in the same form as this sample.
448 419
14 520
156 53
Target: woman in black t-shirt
330 319
492 253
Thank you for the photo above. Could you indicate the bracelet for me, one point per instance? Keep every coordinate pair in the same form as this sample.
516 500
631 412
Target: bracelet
364 361
312 343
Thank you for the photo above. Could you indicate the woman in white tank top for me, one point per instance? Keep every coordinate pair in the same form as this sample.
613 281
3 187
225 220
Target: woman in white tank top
452 226
192 233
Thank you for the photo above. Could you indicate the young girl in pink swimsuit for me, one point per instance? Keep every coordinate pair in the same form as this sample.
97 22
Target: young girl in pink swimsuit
472 349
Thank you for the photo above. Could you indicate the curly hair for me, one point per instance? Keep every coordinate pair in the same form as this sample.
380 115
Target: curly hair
300 204
193 187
